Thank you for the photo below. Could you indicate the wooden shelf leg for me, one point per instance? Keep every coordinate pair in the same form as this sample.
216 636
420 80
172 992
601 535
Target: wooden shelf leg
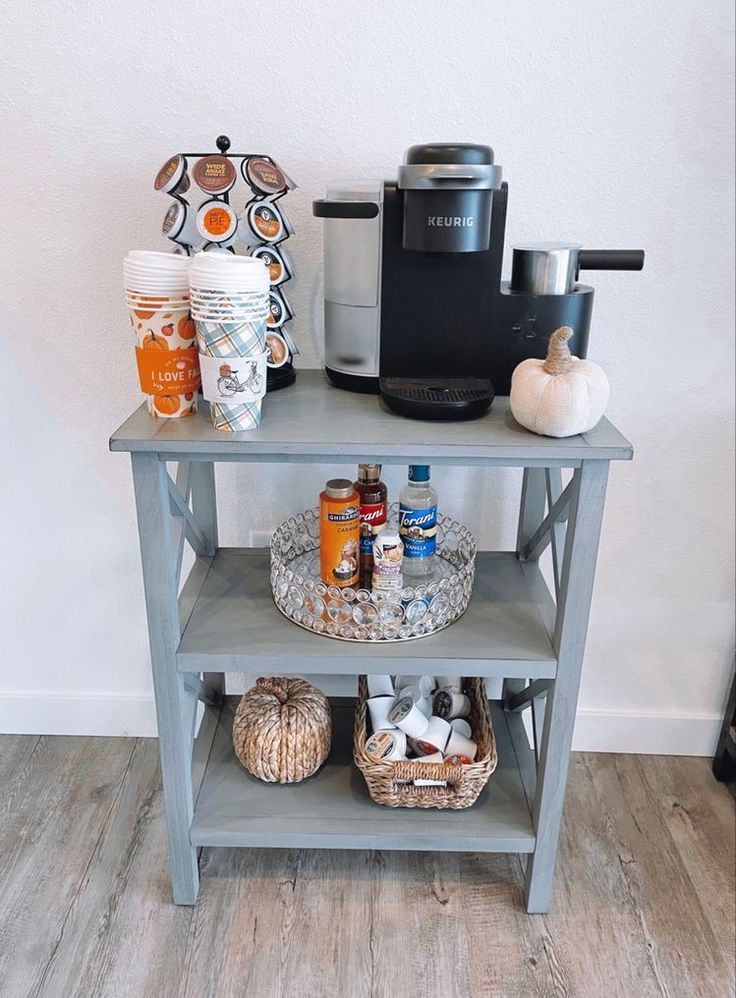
204 511
531 514
576 587
173 701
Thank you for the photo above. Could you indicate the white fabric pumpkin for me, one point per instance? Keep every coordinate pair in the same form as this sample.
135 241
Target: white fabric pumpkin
559 396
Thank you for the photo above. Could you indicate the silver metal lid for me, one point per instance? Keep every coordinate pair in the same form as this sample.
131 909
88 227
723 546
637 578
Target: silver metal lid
339 488
450 176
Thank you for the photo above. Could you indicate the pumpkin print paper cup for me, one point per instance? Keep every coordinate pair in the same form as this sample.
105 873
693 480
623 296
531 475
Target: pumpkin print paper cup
167 359
157 296
230 308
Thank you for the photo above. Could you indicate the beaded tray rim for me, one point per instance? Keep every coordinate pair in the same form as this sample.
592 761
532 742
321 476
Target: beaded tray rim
445 522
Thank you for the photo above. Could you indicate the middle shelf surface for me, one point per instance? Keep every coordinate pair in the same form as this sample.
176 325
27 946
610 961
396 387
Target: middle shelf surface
332 809
234 626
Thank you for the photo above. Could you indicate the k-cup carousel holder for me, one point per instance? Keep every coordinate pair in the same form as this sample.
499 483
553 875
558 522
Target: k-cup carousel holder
356 614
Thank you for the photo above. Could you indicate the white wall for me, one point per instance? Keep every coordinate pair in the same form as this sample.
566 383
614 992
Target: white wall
613 123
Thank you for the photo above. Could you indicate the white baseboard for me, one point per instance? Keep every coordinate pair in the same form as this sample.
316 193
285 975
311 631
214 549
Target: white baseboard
55 713
48 712
646 734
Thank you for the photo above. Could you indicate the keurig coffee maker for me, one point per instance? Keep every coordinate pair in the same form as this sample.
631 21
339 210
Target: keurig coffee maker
414 303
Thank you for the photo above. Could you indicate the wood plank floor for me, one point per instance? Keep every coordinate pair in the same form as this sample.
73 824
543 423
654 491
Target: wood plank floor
644 895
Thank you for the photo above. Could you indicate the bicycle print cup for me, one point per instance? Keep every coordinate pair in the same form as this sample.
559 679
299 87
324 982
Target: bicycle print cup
229 297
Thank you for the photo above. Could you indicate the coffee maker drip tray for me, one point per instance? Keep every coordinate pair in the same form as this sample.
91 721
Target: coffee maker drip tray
438 398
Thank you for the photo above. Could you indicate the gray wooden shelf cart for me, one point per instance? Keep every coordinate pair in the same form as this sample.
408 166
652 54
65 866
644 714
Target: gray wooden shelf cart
224 620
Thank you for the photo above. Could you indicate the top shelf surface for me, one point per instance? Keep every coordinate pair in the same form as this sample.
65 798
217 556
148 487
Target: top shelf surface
315 422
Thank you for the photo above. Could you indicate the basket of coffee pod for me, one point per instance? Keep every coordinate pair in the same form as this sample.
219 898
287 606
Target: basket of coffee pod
424 741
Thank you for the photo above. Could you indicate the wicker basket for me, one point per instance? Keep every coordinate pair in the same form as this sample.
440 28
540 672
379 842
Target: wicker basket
464 783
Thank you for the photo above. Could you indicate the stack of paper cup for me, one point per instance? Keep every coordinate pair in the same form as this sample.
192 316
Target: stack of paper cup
229 298
157 294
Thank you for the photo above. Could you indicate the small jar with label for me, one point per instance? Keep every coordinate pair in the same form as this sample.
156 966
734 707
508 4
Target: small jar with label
388 556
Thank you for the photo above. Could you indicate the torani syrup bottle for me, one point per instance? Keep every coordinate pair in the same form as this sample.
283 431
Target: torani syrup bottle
418 522
339 533
373 515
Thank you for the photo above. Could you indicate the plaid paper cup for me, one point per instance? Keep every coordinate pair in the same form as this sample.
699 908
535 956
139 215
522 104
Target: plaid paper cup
238 341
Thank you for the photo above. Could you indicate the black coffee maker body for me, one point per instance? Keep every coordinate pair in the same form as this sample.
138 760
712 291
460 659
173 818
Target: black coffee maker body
414 303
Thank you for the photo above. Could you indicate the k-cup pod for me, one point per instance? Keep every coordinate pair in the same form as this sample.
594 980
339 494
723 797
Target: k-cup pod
288 339
172 177
388 744
263 175
180 224
431 757
379 709
278 351
402 681
422 700
380 686
460 745
459 760
449 704
277 263
279 310
219 247
462 727
435 738
405 714
216 221
264 223
214 174
454 683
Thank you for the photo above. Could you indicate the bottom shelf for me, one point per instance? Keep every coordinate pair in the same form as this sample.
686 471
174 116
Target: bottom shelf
332 809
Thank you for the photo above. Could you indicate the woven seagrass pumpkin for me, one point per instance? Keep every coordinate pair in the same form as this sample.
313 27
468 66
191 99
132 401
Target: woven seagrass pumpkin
282 730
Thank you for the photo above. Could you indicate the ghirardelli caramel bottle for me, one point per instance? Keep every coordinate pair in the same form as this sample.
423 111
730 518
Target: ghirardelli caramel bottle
373 515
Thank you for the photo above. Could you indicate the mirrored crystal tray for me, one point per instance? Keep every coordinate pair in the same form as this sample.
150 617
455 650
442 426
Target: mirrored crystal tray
425 605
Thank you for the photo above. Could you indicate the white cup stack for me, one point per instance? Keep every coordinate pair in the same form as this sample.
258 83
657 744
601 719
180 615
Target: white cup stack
229 298
157 295
429 737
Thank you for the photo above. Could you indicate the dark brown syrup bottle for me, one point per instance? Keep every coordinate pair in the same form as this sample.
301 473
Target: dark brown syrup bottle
373 515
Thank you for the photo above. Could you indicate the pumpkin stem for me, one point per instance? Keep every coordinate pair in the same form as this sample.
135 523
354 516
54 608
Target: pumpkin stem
272 685
559 359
